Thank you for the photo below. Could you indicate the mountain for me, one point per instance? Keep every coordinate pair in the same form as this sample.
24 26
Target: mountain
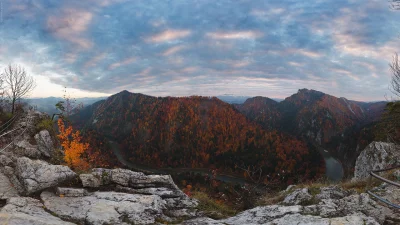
47 105
197 132
261 110
336 124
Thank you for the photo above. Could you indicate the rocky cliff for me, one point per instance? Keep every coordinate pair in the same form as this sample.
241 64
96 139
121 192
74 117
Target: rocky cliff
34 191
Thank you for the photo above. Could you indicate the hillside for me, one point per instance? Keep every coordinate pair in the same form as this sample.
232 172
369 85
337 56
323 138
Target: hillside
336 124
198 132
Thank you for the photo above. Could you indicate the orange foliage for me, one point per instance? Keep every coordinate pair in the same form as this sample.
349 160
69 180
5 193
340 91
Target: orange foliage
73 146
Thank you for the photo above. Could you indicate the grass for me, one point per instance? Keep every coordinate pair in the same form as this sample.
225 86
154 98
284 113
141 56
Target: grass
212 208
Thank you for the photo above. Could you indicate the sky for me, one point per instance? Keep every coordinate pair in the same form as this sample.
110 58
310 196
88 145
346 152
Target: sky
202 47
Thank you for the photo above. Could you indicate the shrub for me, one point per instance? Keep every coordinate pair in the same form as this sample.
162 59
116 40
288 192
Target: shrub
213 209
45 124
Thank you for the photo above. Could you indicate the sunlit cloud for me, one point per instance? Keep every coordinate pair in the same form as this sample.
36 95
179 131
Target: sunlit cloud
71 26
235 35
169 35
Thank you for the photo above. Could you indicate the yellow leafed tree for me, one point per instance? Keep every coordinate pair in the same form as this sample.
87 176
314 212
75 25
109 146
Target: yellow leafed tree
74 148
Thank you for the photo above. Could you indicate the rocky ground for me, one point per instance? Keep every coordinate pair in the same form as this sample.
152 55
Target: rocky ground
33 191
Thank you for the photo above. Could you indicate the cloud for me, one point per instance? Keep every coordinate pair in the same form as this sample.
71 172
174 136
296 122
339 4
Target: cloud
71 26
169 35
205 47
173 50
122 63
235 35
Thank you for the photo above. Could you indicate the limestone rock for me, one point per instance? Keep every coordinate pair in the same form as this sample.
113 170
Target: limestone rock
299 196
45 143
24 148
106 208
332 192
27 211
7 189
284 215
36 175
377 155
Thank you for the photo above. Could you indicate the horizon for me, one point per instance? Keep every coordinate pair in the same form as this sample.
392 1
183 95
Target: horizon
205 48
224 95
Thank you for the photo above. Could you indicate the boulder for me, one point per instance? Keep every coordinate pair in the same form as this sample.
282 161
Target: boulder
26 149
36 175
133 182
298 197
332 192
27 211
45 143
7 189
377 155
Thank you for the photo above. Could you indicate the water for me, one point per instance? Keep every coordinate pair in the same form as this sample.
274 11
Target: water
334 169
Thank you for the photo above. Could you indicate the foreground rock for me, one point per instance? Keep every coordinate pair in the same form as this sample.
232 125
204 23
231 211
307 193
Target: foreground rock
177 204
284 215
36 175
332 205
377 155
27 211
106 208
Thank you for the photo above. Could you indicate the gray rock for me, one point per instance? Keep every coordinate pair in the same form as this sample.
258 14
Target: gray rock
284 215
71 192
333 192
299 196
27 211
24 148
90 180
377 155
350 205
45 143
133 182
36 175
7 189
106 208
5 161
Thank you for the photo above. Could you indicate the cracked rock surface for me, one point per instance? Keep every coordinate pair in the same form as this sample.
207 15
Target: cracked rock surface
106 208
36 175
27 211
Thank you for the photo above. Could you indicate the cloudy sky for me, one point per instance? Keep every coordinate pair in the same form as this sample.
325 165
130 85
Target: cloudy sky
202 47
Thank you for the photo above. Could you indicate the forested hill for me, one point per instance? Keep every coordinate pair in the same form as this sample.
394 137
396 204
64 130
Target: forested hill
342 126
197 132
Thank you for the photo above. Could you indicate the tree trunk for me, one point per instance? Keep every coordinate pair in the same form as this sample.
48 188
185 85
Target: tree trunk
13 107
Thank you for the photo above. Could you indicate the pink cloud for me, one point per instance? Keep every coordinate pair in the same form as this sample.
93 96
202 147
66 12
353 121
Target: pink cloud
122 63
169 35
71 26
235 35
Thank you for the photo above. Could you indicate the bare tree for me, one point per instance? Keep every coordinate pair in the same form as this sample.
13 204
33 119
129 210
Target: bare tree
18 83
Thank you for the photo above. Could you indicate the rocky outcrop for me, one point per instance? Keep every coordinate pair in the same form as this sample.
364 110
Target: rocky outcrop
36 175
332 205
45 143
27 211
106 208
377 155
283 215
299 196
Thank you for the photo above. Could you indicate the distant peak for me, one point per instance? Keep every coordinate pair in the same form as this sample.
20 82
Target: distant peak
309 91
125 92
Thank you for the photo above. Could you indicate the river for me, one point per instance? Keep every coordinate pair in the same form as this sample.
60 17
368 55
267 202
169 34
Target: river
334 169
